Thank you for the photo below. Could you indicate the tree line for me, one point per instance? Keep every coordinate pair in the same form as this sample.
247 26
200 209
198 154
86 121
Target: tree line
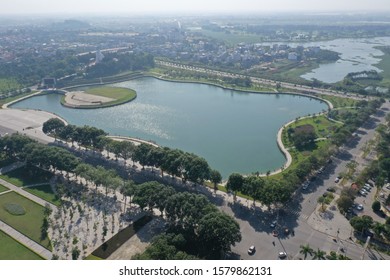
175 162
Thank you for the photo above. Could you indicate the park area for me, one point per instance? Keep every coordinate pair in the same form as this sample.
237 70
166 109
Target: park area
98 97
23 215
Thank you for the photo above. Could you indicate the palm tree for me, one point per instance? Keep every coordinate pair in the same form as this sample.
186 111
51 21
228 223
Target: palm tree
306 249
319 255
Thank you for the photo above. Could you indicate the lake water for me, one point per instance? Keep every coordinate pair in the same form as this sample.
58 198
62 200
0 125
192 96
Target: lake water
233 131
355 55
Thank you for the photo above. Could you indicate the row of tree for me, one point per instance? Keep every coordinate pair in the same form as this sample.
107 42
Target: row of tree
268 192
188 166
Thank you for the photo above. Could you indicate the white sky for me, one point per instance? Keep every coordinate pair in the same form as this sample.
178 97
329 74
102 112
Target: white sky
187 6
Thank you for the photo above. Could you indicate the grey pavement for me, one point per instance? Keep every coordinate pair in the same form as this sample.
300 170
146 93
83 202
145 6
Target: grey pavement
27 122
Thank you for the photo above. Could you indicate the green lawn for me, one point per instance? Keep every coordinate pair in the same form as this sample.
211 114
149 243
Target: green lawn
45 192
27 175
339 101
92 258
30 223
13 250
384 65
322 126
112 92
3 188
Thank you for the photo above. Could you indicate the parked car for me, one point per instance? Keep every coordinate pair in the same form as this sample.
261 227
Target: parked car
360 207
251 250
363 192
337 179
282 255
273 224
366 189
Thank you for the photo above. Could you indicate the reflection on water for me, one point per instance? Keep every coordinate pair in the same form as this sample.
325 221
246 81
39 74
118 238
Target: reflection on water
235 132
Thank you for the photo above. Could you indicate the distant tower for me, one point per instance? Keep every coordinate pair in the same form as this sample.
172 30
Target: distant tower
99 56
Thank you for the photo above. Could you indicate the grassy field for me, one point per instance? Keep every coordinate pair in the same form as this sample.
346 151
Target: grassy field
3 188
112 92
384 65
92 258
45 192
292 71
322 126
27 176
30 223
339 101
13 250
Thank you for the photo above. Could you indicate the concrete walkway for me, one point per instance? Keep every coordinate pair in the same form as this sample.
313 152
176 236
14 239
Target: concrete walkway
32 245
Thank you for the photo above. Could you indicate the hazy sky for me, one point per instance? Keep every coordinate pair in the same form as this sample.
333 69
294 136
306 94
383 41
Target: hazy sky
188 6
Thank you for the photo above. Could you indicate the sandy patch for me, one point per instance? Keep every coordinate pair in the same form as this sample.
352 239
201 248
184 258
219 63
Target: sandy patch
81 98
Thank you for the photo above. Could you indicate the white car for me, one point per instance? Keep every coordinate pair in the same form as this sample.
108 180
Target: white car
363 192
251 250
359 207
282 255
337 179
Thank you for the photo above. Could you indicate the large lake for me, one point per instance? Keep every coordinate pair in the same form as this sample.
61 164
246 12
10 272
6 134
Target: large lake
355 55
234 131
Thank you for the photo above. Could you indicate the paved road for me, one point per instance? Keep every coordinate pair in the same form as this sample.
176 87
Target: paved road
301 214
28 122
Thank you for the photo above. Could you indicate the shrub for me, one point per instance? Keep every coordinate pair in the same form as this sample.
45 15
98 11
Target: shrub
376 206
15 209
